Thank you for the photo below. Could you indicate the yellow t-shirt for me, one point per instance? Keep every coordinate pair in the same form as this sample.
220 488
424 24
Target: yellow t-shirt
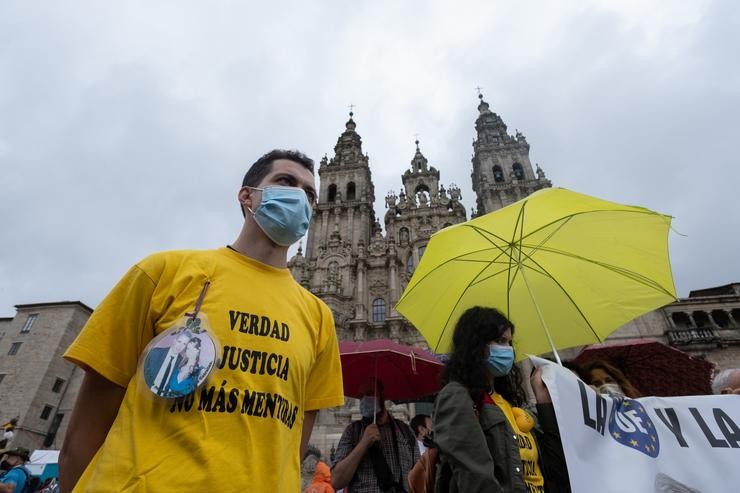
241 431
527 449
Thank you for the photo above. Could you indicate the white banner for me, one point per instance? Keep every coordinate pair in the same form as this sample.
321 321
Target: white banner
647 445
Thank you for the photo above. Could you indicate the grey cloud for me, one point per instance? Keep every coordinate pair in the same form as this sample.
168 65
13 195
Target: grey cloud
125 130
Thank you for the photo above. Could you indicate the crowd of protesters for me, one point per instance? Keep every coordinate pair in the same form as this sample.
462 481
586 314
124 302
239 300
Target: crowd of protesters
128 433
485 435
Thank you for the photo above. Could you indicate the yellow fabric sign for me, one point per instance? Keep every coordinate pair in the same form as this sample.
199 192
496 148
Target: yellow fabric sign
278 354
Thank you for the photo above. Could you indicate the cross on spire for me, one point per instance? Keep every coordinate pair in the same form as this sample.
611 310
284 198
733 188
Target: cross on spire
416 141
351 109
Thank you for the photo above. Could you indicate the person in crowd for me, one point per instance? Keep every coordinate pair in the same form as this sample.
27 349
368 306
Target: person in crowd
727 382
321 482
8 432
161 361
486 441
259 404
376 452
16 475
608 379
185 378
421 425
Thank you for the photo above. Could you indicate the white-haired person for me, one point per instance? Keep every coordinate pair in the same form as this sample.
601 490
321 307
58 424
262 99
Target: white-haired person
727 382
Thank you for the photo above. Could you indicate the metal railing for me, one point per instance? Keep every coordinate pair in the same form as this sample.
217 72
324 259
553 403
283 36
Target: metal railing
701 335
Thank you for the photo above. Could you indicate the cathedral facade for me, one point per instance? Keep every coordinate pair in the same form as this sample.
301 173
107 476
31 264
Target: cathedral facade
359 268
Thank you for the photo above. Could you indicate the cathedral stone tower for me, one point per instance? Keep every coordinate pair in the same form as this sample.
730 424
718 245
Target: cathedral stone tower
359 271
421 208
341 228
502 172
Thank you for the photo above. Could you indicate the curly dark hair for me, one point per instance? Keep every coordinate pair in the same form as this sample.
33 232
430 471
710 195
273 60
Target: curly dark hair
477 327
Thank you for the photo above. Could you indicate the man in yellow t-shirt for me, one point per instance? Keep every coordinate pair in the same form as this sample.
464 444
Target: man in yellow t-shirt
277 359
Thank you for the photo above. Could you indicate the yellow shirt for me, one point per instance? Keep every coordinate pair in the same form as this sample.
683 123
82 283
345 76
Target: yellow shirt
527 449
241 431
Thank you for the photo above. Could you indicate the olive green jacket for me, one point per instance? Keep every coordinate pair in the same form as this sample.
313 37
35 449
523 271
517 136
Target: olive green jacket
477 453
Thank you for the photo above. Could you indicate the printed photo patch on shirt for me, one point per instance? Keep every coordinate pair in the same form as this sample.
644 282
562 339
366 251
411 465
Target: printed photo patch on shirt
180 358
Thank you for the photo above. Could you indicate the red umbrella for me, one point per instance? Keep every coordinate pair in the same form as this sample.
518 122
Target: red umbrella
653 367
406 372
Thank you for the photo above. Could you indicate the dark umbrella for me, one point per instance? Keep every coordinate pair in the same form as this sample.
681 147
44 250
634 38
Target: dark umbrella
406 372
653 367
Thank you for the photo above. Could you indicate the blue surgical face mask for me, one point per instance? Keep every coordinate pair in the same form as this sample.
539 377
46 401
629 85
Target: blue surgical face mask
500 359
369 406
283 214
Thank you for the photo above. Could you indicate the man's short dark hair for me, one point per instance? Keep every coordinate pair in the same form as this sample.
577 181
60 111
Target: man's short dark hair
263 165
418 421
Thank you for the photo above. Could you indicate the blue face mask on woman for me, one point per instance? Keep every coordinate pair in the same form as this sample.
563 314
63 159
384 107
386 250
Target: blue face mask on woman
283 213
500 359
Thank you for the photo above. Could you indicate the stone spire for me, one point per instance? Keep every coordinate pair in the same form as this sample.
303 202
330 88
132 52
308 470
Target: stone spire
348 150
489 123
502 172
419 162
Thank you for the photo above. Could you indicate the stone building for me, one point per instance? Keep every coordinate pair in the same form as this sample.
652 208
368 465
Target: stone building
502 172
706 324
36 383
359 268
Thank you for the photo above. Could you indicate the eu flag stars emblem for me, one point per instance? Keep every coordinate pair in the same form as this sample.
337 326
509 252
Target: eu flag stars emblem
631 426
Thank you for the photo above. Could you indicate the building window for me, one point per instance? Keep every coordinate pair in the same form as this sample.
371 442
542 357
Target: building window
29 323
379 310
14 348
58 384
681 320
53 428
701 319
351 191
410 264
403 236
46 412
720 318
498 174
2 377
332 193
421 251
518 171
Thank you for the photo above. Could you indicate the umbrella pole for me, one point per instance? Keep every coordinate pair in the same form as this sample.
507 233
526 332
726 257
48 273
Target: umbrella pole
542 319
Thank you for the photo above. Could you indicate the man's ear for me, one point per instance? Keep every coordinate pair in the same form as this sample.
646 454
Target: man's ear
245 198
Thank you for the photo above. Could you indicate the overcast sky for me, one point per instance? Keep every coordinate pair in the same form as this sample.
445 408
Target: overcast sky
126 127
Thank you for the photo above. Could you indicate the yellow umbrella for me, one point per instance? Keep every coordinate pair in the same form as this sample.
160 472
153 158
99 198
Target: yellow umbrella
567 269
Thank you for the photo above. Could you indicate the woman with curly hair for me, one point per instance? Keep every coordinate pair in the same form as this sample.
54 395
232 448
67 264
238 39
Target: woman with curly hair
486 441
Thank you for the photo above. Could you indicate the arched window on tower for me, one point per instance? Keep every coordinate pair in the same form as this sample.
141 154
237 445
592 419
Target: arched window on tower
498 174
332 193
518 171
351 190
379 310
403 236
422 195
410 264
